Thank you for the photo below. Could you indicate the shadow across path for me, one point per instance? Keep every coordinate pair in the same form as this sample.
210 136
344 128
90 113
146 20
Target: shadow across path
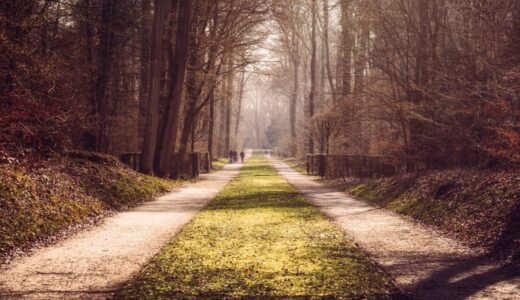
471 277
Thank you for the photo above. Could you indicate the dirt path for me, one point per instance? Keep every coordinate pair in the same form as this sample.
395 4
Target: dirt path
259 239
95 263
420 261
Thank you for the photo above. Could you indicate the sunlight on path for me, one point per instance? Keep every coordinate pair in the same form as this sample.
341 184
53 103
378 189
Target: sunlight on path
421 261
95 263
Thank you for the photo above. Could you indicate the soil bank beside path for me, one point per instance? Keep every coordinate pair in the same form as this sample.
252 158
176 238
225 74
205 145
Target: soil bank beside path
95 263
421 261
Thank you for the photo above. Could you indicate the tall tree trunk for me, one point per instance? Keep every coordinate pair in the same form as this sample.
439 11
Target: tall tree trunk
211 125
422 46
339 70
212 93
88 35
165 102
228 103
189 126
144 67
177 74
327 50
360 61
242 84
358 139
346 47
312 94
154 90
321 87
294 95
193 133
222 120
418 94
192 96
213 50
104 65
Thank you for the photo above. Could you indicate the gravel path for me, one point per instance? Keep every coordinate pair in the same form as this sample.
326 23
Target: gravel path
92 264
421 261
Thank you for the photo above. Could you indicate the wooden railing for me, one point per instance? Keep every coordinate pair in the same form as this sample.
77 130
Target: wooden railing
192 165
343 165
204 162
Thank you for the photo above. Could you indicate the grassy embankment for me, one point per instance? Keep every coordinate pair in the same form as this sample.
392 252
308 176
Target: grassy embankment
40 203
259 239
478 207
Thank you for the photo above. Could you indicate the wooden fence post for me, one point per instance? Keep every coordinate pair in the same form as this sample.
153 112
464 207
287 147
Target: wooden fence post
322 165
308 164
206 162
194 165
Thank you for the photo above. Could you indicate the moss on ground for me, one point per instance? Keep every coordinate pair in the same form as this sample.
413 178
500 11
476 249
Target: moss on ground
259 239
40 202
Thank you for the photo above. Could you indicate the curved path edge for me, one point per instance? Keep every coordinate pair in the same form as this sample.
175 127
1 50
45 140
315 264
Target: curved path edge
422 263
95 263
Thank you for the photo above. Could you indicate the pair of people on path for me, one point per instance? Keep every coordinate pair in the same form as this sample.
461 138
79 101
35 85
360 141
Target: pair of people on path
233 156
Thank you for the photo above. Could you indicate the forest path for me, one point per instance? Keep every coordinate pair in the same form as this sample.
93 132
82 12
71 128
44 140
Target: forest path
421 261
93 264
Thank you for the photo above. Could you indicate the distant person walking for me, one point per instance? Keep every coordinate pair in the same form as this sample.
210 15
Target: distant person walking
242 156
230 156
235 157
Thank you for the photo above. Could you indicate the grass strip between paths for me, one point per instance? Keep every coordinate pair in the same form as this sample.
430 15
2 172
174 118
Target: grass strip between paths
260 239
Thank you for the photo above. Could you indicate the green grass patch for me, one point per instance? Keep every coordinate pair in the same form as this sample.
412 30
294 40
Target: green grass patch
260 239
